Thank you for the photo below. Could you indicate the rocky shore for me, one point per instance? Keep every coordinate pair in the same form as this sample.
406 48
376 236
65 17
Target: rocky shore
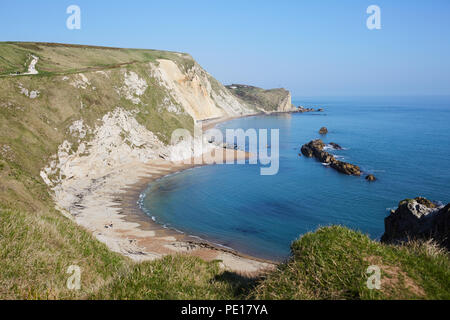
302 109
315 149
418 219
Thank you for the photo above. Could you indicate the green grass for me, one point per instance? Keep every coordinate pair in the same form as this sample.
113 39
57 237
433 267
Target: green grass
36 248
59 59
175 277
332 263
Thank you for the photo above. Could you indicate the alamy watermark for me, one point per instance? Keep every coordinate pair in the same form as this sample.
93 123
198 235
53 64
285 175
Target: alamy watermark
239 146
374 280
73 22
374 20
74 281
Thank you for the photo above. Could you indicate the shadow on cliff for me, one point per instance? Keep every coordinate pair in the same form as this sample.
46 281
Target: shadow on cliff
242 284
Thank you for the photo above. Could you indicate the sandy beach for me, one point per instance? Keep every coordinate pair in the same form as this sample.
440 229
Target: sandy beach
109 209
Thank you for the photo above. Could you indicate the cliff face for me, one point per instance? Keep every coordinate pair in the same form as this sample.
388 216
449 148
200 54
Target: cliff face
273 100
85 111
201 96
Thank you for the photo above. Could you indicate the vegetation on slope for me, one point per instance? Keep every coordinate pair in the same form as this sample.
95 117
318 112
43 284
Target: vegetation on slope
258 98
58 59
332 264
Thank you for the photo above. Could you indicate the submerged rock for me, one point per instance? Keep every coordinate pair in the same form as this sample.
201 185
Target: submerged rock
418 218
371 177
323 130
315 149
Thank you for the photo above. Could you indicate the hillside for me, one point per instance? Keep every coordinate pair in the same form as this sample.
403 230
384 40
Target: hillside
85 115
273 100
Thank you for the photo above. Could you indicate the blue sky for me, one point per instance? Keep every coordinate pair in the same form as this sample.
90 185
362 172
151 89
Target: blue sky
313 48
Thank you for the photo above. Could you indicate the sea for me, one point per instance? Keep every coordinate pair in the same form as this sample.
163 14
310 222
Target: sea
403 141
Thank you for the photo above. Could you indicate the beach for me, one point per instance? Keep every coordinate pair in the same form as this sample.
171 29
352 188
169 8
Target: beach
109 210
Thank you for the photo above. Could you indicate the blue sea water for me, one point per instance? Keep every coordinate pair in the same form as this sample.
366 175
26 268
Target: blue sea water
403 141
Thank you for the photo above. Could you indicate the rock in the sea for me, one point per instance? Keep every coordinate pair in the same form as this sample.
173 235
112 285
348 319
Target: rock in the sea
303 109
315 149
323 130
320 110
346 168
418 219
311 147
335 146
371 177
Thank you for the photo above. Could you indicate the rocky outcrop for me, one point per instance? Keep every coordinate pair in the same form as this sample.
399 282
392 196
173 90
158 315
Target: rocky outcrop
323 130
345 167
315 149
371 178
335 146
418 218
302 109
197 92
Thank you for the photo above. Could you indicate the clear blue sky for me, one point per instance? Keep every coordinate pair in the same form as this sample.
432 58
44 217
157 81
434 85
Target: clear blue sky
313 48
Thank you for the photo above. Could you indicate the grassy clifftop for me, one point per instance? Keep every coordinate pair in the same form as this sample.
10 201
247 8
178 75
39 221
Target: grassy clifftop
330 263
55 58
272 100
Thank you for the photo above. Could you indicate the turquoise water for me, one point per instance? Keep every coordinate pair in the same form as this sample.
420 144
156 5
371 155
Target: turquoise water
405 142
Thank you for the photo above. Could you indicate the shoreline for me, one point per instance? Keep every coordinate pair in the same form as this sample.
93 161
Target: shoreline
130 203
108 208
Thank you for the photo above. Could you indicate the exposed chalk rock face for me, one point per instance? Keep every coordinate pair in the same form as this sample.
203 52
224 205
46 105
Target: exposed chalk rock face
81 82
133 87
315 149
120 139
418 219
195 90
286 104
78 129
32 94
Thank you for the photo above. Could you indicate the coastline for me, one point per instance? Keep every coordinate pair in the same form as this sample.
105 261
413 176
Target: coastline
169 241
108 208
